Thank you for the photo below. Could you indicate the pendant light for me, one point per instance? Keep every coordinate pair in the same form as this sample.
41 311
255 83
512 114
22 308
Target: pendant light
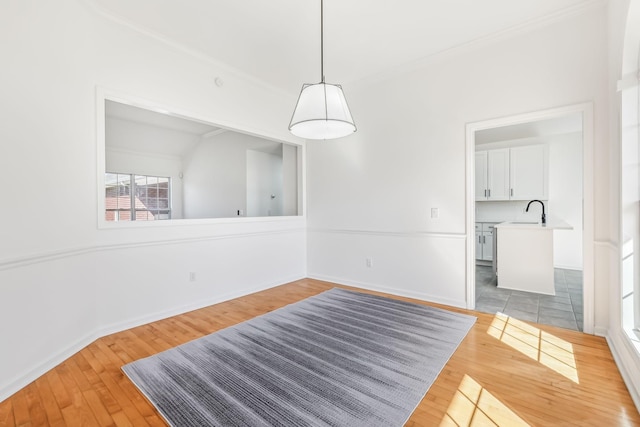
321 111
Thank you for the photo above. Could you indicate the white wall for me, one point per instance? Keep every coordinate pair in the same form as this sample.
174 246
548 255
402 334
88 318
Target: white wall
565 198
290 178
61 277
215 181
264 184
373 191
223 174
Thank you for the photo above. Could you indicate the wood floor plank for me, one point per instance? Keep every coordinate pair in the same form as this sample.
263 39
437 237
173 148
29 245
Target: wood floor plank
78 416
121 419
54 416
129 411
6 413
21 409
585 388
37 413
97 407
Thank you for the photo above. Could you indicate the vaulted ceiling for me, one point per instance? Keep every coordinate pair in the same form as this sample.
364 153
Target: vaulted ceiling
278 41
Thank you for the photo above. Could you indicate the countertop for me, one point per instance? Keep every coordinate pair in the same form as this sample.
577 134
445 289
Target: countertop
550 225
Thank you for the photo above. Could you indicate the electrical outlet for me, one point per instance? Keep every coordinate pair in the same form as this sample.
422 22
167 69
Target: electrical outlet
435 213
192 276
369 262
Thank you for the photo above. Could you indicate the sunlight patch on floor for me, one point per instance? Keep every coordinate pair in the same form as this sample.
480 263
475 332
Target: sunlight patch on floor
473 405
553 352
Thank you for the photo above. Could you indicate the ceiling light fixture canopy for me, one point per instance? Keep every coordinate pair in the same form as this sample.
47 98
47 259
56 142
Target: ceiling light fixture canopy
321 111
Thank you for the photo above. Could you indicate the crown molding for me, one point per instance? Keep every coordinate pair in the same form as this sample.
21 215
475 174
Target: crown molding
213 133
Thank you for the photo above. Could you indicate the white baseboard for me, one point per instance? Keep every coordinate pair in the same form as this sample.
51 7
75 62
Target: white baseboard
390 290
600 331
23 379
154 317
628 362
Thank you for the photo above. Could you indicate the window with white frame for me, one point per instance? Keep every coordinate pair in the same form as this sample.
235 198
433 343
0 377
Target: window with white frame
132 197
630 205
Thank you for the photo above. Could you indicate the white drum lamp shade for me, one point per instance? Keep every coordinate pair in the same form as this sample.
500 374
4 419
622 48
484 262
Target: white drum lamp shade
321 113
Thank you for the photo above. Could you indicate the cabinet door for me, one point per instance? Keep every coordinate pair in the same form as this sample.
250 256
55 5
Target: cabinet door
481 175
498 174
527 176
479 245
487 247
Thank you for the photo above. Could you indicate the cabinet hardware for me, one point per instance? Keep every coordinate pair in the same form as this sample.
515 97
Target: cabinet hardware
489 191
512 192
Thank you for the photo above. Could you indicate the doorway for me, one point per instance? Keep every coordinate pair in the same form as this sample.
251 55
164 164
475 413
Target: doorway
562 139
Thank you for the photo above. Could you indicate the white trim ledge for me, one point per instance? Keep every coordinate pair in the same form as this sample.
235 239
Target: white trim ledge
606 244
22 261
389 233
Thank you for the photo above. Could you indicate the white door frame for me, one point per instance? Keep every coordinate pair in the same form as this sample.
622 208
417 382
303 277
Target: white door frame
586 109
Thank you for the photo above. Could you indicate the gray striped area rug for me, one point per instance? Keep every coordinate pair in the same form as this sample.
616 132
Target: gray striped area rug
340 358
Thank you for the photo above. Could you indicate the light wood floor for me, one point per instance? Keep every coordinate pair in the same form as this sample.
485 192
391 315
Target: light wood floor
504 373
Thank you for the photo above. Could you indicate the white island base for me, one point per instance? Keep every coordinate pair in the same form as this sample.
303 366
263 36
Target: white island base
525 259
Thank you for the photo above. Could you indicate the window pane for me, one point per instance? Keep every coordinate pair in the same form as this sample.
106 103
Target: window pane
144 216
148 204
124 215
116 193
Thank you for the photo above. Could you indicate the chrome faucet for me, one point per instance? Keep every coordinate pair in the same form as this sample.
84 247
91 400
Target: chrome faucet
544 218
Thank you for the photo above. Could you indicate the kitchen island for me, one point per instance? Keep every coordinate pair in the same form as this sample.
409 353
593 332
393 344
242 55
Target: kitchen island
524 259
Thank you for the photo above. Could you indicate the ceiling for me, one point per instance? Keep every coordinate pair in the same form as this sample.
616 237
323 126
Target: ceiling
168 121
571 123
181 135
278 41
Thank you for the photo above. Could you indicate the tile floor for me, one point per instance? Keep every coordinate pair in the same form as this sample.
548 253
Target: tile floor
563 310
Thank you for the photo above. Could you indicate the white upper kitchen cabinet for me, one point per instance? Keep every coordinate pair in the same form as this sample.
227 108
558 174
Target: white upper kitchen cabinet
515 173
481 175
527 173
492 174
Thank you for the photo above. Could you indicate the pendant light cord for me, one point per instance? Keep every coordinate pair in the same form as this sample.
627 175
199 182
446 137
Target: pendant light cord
322 40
